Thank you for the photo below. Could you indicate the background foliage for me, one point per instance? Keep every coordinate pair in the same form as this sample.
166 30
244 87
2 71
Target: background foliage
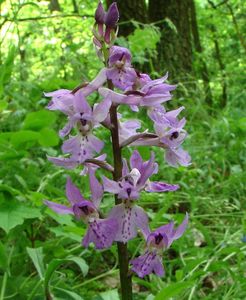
45 47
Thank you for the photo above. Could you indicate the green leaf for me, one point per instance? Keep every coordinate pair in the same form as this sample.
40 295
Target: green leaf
55 263
3 258
20 138
39 120
69 293
172 290
13 213
110 295
48 138
36 255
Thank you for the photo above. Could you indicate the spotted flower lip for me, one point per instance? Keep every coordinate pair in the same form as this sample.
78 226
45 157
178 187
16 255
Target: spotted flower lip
161 238
101 232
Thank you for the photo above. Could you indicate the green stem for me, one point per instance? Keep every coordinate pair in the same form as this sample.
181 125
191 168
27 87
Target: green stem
4 283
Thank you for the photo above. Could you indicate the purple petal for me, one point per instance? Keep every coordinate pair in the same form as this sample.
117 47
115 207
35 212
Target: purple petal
100 13
118 54
96 83
110 186
174 157
101 233
147 170
125 169
59 208
95 187
73 193
80 103
129 220
112 16
101 110
136 160
181 228
67 163
95 143
146 264
156 187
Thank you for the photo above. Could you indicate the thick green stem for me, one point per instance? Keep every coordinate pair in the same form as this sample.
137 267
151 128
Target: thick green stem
125 278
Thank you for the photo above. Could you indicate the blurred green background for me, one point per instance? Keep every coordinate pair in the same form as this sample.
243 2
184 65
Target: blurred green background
47 45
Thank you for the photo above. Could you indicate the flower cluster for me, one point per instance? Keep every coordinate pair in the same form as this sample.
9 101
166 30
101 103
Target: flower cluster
118 83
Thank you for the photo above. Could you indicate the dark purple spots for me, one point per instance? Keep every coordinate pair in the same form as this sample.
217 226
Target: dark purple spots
129 190
158 238
174 135
83 122
85 209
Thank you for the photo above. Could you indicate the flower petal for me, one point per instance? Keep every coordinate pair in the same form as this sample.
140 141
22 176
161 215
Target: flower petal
101 232
110 186
59 208
95 187
73 193
157 187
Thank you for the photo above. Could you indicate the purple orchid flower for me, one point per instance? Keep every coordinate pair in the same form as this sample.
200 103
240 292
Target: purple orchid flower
120 71
169 135
63 99
157 241
136 180
101 232
85 144
153 93
129 215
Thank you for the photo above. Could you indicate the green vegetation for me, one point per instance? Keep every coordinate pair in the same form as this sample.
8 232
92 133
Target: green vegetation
43 49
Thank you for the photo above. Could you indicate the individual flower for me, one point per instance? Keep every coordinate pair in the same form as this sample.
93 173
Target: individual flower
151 94
101 232
120 71
84 144
62 100
156 242
129 215
137 179
169 135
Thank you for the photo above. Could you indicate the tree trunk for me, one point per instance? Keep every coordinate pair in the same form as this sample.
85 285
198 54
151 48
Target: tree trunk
54 5
198 47
221 66
130 10
174 49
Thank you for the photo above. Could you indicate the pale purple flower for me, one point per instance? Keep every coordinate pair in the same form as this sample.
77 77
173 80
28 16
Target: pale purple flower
129 215
157 241
84 145
101 232
63 99
137 179
169 135
120 71
152 93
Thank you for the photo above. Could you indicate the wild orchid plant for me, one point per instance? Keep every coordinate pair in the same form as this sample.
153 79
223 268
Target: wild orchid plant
124 86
